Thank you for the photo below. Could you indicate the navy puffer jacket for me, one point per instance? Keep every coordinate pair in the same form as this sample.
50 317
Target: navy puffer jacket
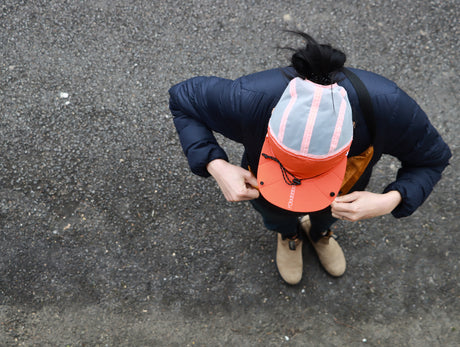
240 109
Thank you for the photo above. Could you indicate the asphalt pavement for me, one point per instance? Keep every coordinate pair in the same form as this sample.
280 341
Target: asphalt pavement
107 239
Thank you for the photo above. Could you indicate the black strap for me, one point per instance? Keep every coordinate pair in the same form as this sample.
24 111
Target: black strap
364 101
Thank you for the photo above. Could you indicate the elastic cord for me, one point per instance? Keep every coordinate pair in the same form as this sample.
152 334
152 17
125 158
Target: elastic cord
294 181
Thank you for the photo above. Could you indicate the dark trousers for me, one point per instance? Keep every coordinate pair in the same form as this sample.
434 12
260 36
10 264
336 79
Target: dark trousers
286 222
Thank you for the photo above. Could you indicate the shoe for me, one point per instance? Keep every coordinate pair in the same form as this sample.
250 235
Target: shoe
329 252
289 259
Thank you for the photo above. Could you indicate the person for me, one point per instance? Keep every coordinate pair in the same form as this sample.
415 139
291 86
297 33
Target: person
309 148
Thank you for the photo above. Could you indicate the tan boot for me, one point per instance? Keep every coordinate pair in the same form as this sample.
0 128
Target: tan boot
329 252
289 259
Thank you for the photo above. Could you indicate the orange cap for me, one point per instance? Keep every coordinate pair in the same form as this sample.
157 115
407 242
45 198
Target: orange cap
304 156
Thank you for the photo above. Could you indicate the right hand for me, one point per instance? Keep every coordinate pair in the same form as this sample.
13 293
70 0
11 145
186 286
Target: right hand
236 183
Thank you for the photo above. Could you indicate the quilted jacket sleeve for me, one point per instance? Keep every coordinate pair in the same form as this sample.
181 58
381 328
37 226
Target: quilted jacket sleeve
202 105
415 142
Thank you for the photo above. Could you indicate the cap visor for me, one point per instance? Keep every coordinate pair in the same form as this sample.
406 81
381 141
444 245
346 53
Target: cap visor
311 195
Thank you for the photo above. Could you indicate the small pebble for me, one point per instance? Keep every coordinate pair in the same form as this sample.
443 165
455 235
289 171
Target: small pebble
287 18
63 95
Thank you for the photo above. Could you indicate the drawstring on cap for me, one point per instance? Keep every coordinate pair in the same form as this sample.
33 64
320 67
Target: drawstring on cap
292 182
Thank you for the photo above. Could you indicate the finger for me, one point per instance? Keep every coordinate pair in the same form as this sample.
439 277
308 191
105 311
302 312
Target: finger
336 215
347 198
339 216
341 208
252 193
247 192
347 217
251 180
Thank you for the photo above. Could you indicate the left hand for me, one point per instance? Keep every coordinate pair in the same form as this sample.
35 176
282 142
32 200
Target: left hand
363 205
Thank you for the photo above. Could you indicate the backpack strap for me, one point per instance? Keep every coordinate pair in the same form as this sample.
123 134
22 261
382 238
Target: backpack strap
364 100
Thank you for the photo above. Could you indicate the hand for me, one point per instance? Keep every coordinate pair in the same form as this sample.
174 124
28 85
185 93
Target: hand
236 183
362 205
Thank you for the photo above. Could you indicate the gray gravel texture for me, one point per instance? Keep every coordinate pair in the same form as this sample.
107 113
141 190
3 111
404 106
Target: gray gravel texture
107 239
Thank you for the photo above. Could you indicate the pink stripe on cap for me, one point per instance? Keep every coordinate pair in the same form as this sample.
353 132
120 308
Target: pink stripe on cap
293 91
311 120
338 126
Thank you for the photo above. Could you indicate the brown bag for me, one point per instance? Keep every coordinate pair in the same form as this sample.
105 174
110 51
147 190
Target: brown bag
355 168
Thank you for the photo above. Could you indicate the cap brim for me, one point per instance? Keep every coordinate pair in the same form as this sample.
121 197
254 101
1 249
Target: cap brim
311 195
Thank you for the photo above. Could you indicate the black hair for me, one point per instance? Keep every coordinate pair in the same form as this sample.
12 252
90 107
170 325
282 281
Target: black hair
317 62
